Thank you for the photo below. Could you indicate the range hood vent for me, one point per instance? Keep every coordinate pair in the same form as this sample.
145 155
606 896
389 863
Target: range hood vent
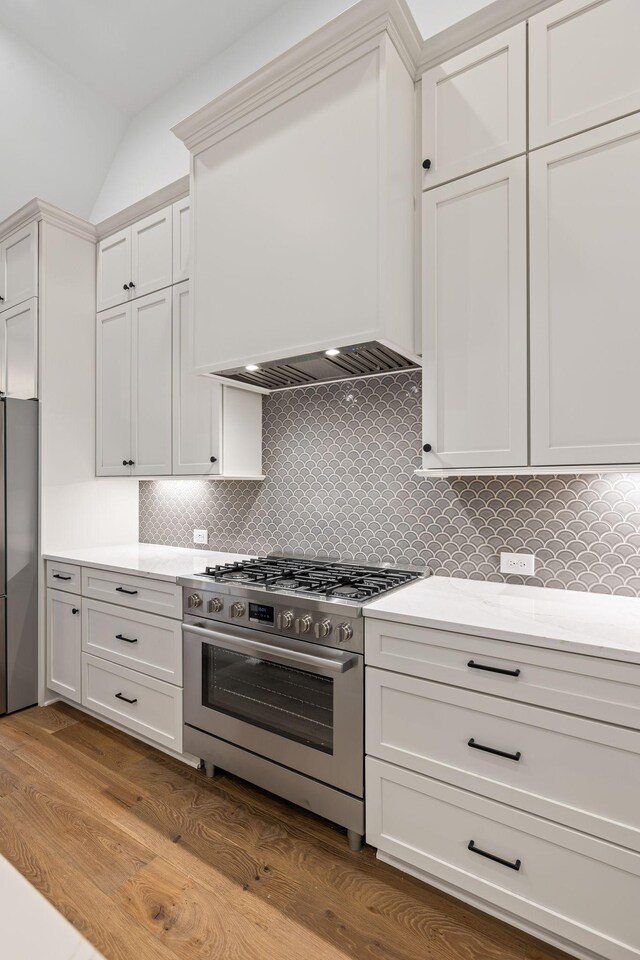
362 360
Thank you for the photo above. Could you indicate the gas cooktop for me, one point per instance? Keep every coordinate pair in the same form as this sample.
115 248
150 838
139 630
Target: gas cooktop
318 578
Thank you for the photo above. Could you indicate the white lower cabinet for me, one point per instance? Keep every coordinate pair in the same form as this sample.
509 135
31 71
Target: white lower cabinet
138 702
64 642
509 775
117 649
580 889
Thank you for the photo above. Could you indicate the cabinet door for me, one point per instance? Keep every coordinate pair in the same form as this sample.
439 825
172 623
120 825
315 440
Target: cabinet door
19 267
585 334
114 270
19 351
241 432
584 67
113 400
64 644
181 239
474 108
197 400
151 384
475 319
151 253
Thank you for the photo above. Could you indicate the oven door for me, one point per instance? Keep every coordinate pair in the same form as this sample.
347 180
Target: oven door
297 703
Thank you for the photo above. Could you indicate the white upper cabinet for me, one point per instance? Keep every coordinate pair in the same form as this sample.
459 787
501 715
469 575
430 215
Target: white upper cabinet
114 270
585 331
474 108
152 253
475 320
136 261
19 350
304 211
151 384
19 267
584 66
241 432
181 239
113 399
197 400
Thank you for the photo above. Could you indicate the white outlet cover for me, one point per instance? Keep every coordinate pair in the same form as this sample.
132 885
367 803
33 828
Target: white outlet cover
522 564
200 536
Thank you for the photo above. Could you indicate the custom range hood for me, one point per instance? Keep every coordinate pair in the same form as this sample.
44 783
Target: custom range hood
361 360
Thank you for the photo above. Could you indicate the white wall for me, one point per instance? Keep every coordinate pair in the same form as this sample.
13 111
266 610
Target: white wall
58 137
149 155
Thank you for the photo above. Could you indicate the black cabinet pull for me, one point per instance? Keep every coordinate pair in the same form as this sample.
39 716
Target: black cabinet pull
74 610
131 593
125 286
126 639
498 753
427 448
132 285
426 164
1 299
213 459
492 856
483 666
58 576
125 463
126 699
130 463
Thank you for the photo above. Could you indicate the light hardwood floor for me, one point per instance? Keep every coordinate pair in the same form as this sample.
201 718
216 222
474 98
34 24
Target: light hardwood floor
152 861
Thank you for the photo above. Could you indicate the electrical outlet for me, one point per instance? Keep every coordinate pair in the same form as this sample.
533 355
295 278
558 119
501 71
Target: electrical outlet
200 536
519 563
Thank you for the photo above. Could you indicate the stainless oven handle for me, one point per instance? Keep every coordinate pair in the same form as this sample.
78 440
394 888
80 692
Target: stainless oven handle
339 664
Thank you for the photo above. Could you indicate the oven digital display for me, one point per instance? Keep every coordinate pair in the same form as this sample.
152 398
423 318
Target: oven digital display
260 613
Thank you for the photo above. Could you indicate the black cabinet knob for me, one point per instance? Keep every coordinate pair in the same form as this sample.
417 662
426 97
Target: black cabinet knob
426 164
74 610
126 286
1 299
125 463
132 285
427 448
130 463
213 459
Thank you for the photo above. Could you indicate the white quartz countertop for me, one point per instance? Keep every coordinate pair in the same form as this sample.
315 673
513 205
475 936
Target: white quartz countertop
594 624
31 928
145 559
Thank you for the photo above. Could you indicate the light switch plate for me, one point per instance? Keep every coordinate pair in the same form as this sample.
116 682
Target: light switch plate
518 563
200 536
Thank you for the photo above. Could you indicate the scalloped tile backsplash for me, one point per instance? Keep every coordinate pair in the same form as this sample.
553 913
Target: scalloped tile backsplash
339 462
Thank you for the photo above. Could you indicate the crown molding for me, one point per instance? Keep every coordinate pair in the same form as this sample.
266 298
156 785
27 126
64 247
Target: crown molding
143 208
366 21
479 26
38 210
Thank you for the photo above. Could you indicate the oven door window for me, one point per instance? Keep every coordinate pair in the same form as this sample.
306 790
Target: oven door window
284 700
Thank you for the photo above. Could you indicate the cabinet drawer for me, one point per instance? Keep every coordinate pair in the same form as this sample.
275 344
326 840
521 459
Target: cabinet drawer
64 576
151 596
545 762
579 888
570 682
142 704
141 641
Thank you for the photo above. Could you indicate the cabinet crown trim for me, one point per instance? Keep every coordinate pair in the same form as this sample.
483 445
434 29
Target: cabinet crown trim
365 21
164 197
37 210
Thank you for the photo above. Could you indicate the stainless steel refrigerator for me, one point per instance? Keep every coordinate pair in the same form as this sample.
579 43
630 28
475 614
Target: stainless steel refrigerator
18 554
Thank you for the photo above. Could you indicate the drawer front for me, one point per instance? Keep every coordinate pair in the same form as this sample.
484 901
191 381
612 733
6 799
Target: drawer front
531 758
141 641
572 885
64 576
141 704
569 682
151 596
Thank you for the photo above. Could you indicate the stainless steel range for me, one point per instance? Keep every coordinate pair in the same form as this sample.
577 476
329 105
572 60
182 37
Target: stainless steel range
274 677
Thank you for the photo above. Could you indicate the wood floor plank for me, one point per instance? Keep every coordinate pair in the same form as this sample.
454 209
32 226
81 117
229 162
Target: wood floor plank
173 865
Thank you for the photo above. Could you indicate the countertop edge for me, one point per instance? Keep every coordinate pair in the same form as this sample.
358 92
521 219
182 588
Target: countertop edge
113 568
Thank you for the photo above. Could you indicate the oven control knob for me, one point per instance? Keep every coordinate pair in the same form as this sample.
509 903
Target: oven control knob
303 624
194 600
237 609
344 632
323 629
284 620
215 605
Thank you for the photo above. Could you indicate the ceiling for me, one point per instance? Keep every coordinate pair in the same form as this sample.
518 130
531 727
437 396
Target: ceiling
131 51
